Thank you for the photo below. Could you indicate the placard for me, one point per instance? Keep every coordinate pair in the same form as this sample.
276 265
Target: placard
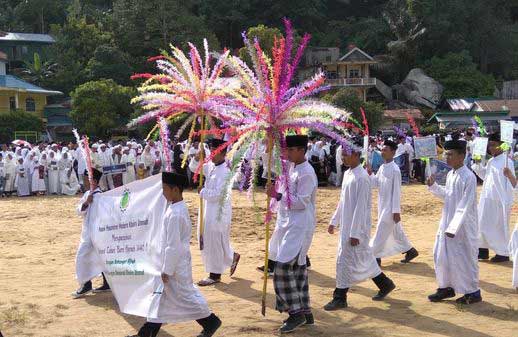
506 131
425 147
480 146
440 169
114 169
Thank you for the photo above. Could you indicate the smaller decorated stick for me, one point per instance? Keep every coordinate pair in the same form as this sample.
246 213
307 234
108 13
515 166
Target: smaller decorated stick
88 159
164 136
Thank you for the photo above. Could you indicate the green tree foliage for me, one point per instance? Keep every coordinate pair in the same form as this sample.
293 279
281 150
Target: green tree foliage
76 44
100 106
18 121
460 77
110 63
31 16
266 36
349 100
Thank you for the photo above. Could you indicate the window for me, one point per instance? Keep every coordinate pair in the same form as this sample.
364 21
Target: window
354 73
25 50
30 105
12 103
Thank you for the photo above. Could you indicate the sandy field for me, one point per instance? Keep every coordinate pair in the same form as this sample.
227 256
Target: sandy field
39 237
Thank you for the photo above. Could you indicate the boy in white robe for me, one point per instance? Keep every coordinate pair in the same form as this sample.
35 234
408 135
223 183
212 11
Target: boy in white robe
513 242
390 238
355 261
128 159
86 266
291 239
496 199
180 301
456 243
217 253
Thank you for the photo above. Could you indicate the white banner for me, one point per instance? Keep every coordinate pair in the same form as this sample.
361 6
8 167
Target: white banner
480 146
506 131
125 226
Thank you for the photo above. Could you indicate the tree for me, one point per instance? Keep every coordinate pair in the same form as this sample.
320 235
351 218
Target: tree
109 62
349 100
459 75
37 71
75 46
18 121
266 36
100 106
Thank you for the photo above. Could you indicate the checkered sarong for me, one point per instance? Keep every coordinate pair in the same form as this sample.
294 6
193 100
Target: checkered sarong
291 285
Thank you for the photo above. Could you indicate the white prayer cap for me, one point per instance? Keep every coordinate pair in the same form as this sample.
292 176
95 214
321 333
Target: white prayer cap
102 145
64 149
125 148
95 145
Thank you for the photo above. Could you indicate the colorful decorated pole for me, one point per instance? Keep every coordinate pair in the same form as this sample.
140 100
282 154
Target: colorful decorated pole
186 88
164 136
86 153
267 225
200 183
266 108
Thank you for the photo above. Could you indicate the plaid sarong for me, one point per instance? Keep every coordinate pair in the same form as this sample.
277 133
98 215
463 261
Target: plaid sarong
291 285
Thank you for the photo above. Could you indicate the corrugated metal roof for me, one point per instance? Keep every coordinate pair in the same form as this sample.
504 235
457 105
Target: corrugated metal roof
13 82
402 113
43 38
510 105
460 104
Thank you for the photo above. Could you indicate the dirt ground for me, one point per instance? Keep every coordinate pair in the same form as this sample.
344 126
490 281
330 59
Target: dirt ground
39 237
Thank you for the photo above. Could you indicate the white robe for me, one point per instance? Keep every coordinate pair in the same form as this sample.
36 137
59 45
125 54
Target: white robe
22 181
456 259
296 222
495 203
38 184
180 301
513 249
10 175
129 175
87 266
217 253
354 264
390 239
68 178
53 173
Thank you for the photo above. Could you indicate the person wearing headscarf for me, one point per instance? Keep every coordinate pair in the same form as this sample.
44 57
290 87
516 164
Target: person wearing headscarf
148 160
10 174
67 176
22 179
38 175
2 174
105 159
496 199
30 162
455 251
53 173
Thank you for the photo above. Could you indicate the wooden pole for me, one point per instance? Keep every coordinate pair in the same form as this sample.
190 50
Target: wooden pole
200 182
267 225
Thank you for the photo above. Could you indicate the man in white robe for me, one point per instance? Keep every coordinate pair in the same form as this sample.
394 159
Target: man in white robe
291 239
180 301
129 160
217 253
87 266
456 243
390 239
105 159
355 260
496 199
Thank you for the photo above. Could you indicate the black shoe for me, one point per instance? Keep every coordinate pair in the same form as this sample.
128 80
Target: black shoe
308 262
499 258
83 290
470 298
336 304
483 254
210 325
104 288
386 289
441 294
293 322
309 319
378 261
410 255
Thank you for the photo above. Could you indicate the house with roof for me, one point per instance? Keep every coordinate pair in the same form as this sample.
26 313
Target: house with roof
399 118
459 112
19 95
20 47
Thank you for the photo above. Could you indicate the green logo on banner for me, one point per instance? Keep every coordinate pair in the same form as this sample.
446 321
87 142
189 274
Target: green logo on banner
125 199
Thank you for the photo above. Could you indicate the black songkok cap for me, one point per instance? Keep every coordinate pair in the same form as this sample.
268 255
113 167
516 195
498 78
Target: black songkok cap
174 179
97 174
390 144
455 145
495 137
296 141
215 143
